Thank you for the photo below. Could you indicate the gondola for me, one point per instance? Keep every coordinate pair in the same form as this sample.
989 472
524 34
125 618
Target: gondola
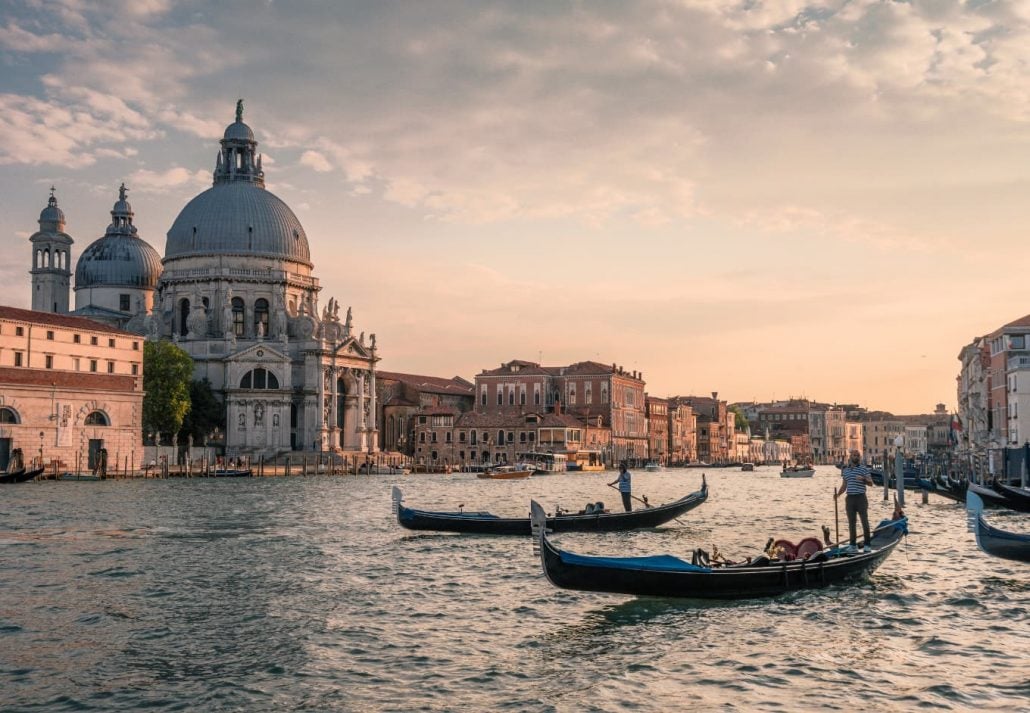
232 473
1015 498
988 495
999 543
21 475
484 523
669 576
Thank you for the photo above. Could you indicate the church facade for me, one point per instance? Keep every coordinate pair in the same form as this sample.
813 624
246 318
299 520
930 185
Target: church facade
236 290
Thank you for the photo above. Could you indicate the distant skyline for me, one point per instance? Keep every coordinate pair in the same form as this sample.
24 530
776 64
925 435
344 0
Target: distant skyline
765 199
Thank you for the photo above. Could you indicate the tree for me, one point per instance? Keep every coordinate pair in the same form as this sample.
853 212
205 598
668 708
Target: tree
166 379
206 413
740 420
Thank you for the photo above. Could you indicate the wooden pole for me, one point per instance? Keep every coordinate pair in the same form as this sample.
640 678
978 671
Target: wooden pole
886 478
899 475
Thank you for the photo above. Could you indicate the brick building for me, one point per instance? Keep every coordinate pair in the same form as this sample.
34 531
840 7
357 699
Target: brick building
404 397
71 389
658 428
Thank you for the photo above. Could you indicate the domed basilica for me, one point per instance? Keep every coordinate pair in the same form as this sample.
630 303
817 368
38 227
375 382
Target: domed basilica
235 290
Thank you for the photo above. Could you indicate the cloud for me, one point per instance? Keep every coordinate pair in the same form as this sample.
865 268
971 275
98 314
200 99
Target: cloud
315 161
147 181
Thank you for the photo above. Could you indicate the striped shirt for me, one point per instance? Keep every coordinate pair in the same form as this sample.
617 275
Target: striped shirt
854 476
624 486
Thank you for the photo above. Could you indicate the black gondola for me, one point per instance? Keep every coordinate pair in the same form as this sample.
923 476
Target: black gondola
484 523
21 475
1015 498
1000 543
232 473
668 576
988 495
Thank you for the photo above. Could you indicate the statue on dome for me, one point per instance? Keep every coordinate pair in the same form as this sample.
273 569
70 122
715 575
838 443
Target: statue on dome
239 110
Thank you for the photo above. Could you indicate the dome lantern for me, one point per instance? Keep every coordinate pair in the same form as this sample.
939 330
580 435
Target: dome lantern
236 161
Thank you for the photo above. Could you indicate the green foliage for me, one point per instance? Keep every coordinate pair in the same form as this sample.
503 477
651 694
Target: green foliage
740 420
166 379
206 413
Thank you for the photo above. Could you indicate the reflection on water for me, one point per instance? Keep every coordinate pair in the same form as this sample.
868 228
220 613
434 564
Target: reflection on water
277 594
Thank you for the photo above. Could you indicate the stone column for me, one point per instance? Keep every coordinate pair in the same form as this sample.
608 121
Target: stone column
374 426
334 428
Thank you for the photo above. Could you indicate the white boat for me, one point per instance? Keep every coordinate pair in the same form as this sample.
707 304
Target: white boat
372 469
653 467
797 471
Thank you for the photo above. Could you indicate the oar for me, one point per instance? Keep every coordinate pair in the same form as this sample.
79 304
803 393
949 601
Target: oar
836 513
639 500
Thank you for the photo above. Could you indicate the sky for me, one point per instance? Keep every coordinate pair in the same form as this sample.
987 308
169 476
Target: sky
763 199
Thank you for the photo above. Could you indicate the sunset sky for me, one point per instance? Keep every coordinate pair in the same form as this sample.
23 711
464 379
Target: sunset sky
764 199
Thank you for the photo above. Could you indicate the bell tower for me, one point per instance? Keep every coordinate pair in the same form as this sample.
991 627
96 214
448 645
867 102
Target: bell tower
51 258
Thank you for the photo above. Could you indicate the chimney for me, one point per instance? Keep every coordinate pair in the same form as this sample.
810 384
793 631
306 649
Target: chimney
715 395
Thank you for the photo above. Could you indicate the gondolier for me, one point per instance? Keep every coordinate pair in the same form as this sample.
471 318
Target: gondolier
625 486
854 479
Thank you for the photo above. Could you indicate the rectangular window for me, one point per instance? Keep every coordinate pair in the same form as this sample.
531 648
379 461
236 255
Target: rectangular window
123 303
77 338
1017 342
19 331
110 343
135 369
93 341
17 358
110 367
50 335
49 361
135 346
93 365
75 363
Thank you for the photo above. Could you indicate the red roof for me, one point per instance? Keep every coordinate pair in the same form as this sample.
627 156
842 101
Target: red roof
433 384
15 376
59 320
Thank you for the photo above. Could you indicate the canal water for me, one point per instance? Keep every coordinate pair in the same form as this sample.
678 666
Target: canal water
304 594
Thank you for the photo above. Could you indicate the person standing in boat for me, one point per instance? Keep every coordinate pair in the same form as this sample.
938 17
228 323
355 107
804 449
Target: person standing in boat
625 487
854 479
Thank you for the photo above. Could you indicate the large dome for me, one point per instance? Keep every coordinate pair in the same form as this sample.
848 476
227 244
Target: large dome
120 258
238 218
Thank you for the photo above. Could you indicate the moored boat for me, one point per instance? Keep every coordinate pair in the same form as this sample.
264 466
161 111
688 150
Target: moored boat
485 523
992 540
747 467
1015 498
988 495
653 467
21 475
670 576
797 471
505 472
232 473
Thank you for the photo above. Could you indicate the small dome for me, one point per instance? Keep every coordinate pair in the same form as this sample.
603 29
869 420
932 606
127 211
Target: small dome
118 261
51 214
238 131
120 258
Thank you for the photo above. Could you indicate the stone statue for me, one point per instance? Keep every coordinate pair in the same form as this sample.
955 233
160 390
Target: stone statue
336 311
373 338
242 421
350 321
259 413
239 111
260 330
227 326
361 339
280 315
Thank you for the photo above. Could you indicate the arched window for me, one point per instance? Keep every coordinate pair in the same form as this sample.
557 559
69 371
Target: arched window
500 396
261 317
259 379
500 438
238 323
184 314
511 397
8 415
46 258
97 418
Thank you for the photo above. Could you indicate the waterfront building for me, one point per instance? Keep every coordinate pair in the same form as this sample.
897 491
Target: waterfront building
408 397
915 440
777 451
1009 400
682 433
236 290
713 434
853 437
658 429
974 393
71 390
789 421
